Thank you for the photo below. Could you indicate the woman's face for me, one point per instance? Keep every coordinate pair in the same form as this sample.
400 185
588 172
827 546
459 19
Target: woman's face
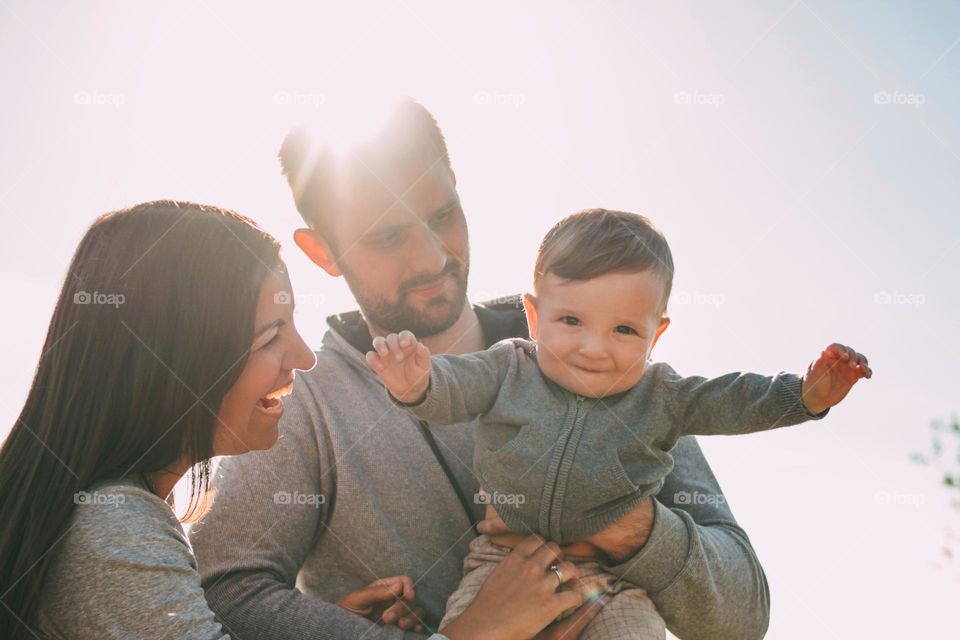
252 408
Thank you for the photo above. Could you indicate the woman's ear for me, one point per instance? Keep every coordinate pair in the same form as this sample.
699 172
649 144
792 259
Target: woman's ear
530 308
317 249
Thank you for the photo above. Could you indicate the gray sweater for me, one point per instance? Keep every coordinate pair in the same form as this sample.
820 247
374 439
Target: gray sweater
566 466
123 569
274 559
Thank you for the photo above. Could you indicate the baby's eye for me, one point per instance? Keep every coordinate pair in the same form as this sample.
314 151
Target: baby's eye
570 321
624 329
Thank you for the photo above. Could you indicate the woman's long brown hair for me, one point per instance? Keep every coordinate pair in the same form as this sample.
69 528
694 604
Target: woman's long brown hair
152 327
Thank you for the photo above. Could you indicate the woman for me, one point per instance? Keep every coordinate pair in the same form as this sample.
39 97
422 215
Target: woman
172 342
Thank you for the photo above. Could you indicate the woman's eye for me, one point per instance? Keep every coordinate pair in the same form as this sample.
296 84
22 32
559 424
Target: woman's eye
570 321
269 342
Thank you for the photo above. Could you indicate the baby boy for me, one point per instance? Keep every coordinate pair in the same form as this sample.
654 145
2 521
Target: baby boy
575 426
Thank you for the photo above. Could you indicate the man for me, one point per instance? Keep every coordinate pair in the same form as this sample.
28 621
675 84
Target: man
357 490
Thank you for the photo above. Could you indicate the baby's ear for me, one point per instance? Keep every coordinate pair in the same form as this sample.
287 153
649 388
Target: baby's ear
530 308
664 323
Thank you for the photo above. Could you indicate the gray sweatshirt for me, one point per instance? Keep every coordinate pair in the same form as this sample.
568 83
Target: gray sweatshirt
123 569
274 557
564 466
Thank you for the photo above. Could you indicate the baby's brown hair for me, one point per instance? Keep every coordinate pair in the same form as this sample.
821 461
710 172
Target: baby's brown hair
593 242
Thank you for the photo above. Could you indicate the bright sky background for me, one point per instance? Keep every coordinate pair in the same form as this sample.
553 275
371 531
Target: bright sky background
802 157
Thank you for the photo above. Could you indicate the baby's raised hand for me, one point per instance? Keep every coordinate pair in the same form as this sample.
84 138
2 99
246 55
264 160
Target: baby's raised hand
403 363
831 376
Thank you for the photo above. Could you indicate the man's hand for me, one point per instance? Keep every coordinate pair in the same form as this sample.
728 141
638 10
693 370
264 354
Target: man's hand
617 543
403 363
389 601
831 376
624 538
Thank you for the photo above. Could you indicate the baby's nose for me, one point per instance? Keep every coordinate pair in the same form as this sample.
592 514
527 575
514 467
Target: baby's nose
593 348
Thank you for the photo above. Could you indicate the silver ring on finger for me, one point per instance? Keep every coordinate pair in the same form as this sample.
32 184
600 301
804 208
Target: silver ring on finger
559 574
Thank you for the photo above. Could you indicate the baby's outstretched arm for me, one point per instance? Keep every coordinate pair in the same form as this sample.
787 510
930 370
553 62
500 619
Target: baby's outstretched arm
403 363
830 377
444 388
748 402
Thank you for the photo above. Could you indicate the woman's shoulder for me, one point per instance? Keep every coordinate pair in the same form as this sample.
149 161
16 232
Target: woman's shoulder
124 550
121 514
117 524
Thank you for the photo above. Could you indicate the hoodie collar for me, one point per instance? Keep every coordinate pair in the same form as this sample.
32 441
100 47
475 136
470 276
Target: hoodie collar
499 319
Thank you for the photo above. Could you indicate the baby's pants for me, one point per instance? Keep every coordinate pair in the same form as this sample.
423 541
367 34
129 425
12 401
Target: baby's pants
630 615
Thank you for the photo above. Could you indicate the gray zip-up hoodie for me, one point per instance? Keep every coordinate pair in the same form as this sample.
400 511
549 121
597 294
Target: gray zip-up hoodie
565 466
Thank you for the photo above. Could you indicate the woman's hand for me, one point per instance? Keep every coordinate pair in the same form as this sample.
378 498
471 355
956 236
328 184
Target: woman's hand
389 601
520 598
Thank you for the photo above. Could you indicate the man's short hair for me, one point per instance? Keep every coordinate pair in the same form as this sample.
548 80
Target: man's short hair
322 177
593 242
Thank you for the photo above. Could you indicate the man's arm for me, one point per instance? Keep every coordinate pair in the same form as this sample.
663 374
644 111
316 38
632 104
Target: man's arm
253 541
697 564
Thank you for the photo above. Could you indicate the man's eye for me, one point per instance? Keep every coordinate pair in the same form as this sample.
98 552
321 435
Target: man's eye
624 329
388 239
570 320
442 217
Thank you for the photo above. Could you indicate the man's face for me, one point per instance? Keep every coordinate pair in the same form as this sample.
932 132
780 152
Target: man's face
401 243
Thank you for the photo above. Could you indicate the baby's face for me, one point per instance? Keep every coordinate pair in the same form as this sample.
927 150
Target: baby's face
594 336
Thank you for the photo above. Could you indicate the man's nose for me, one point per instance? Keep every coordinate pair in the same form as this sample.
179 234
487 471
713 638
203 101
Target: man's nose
427 253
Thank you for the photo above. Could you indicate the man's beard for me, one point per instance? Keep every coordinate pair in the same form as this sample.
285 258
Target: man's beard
437 315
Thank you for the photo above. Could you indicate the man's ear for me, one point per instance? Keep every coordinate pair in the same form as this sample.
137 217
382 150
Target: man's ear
317 249
663 327
530 308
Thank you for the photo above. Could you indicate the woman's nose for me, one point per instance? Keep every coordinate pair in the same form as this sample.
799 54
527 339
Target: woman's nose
301 357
